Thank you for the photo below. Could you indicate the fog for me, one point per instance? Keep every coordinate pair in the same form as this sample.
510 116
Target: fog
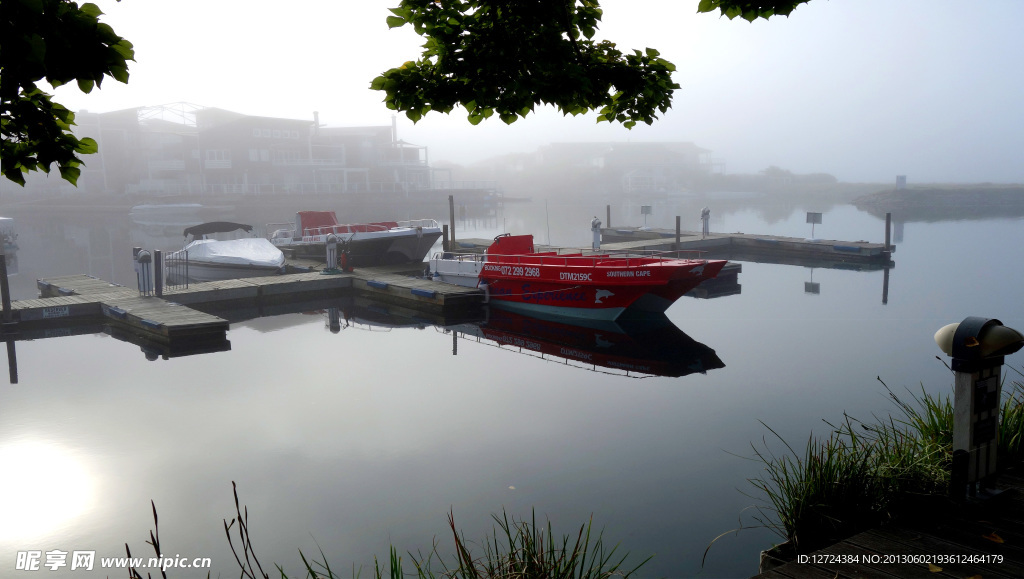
863 90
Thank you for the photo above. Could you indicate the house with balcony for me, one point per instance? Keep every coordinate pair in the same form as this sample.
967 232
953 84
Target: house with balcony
189 150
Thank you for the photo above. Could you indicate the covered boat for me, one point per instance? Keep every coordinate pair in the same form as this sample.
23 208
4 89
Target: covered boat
377 243
577 285
213 259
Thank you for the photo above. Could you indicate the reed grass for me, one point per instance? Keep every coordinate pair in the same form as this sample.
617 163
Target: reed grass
863 474
516 549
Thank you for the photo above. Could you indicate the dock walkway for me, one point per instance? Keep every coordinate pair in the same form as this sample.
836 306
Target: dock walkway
83 299
752 247
983 540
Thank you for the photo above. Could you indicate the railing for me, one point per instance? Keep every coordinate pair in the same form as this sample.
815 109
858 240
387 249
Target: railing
353 227
176 269
617 258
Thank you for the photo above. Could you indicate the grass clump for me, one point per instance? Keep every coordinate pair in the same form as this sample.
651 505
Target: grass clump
516 549
863 474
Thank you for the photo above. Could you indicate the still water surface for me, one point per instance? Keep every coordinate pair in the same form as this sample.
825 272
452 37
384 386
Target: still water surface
355 440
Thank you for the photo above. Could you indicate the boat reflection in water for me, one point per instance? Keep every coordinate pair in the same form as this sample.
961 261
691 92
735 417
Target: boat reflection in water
642 347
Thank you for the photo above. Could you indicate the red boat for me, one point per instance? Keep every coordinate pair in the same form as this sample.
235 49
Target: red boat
599 286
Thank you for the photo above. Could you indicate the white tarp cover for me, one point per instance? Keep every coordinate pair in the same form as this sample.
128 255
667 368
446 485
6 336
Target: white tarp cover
255 251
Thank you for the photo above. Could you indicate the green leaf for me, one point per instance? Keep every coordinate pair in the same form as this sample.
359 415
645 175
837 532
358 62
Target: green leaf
652 52
378 83
707 5
85 85
396 21
87 146
70 174
91 9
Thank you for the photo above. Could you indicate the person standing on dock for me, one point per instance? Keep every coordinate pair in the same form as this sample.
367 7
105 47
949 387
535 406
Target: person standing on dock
705 217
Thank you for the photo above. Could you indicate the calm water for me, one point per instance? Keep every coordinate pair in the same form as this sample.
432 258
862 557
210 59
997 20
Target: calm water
369 436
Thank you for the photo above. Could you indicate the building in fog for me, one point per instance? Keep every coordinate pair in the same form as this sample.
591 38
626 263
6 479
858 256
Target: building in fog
184 149
639 168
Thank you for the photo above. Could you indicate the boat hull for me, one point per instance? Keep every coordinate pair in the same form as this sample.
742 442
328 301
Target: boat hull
198 271
365 251
596 287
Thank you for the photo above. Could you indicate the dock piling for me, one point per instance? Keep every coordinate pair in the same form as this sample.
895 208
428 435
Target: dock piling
678 225
5 288
451 217
608 215
888 231
158 272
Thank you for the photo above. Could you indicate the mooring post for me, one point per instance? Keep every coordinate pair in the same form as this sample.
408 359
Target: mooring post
451 217
678 222
444 239
885 287
5 288
608 215
978 347
12 360
158 272
888 230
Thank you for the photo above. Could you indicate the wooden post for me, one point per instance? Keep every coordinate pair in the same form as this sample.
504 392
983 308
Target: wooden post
451 217
885 287
888 230
444 239
678 218
608 216
12 360
5 288
158 272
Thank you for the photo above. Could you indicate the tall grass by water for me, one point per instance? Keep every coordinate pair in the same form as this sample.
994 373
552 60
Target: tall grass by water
516 549
865 473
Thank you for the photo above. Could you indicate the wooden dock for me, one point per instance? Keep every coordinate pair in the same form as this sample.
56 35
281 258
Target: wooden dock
828 253
179 312
978 540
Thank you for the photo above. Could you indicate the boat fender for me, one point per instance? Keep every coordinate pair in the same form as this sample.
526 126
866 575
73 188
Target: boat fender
487 291
419 233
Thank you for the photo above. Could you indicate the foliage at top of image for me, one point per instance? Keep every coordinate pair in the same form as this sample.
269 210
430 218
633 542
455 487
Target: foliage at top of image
59 42
501 57
507 57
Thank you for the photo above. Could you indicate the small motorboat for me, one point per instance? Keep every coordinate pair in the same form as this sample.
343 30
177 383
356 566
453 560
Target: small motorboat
576 285
204 259
367 244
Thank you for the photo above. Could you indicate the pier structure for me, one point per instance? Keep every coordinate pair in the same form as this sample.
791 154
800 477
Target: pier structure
80 304
827 253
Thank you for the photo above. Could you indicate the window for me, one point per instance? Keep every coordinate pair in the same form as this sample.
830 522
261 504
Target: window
254 155
256 132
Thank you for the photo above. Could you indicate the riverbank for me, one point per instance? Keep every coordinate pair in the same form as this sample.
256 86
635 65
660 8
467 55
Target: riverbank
931 203
867 475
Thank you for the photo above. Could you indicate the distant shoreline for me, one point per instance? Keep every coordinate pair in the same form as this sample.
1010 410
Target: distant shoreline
946 202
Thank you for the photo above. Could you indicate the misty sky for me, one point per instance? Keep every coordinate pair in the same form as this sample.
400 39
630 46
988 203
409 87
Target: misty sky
862 89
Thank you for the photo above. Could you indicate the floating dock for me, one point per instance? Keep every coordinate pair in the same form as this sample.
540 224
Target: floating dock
187 312
827 253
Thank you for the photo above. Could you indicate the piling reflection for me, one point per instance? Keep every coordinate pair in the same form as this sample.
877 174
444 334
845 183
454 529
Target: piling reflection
644 347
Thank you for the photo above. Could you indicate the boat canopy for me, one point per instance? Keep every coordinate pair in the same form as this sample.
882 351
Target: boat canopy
197 231
249 251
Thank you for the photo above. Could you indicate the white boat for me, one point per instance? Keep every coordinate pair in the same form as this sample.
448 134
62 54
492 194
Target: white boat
213 259
367 244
